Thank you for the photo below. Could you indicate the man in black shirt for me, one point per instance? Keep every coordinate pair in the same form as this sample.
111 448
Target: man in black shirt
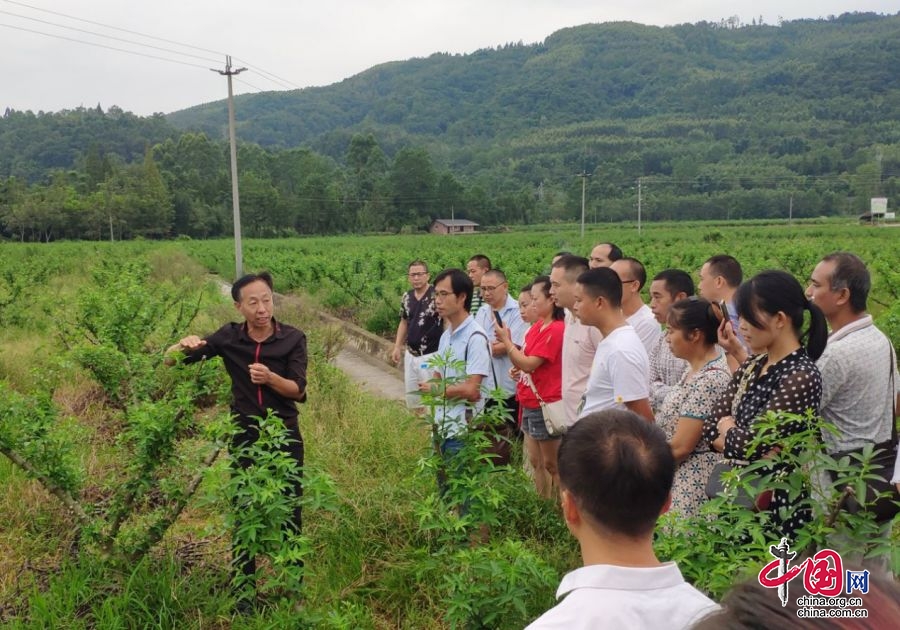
418 333
267 362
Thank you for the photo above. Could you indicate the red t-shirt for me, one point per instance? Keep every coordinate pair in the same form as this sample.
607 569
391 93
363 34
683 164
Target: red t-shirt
547 344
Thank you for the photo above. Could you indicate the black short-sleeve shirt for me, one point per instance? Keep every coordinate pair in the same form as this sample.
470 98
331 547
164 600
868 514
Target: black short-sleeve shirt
284 352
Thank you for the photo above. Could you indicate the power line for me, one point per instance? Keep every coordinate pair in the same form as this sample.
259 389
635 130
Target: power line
261 71
113 37
270 76
115 28
81 41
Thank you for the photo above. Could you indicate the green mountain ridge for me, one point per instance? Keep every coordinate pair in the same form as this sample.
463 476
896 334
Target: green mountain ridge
708 120
589 72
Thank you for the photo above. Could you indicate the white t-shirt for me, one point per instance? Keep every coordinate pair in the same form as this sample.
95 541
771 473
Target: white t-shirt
647 328
620 373
604 596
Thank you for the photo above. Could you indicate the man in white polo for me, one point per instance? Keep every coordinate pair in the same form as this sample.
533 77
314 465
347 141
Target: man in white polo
622 583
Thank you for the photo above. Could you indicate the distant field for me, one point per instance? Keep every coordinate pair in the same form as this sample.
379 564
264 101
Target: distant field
362 277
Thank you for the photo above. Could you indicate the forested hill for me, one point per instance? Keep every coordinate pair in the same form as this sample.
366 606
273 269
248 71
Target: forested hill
708 121
844 69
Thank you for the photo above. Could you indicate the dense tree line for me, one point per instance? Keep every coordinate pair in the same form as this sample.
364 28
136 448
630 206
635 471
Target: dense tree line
715 120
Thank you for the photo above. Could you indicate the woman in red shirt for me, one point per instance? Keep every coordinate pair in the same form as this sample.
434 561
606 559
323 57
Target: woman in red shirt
541 361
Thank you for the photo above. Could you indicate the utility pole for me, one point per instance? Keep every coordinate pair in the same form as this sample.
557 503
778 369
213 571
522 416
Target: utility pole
583 175
791 210
235 197
639 206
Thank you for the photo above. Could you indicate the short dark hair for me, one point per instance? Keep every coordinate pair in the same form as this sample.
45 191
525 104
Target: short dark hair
459 282
526 288
850 272
561 254
496 272
676 281
602 282
243 281
481 260
728 267
572 264
695 314
417 263
637 270
775 291
619 469
544 281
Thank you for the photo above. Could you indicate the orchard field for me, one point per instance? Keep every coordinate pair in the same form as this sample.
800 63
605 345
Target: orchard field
363 277
113 504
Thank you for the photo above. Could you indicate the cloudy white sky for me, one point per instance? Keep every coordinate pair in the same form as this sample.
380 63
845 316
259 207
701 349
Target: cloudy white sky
302 43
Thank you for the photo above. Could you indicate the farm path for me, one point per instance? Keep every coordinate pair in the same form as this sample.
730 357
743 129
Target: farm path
370 373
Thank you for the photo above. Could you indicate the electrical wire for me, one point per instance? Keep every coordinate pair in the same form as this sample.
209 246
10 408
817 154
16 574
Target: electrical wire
115 28
269 76
113 37
81 41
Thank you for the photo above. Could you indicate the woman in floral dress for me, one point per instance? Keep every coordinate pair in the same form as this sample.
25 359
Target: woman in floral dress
691 334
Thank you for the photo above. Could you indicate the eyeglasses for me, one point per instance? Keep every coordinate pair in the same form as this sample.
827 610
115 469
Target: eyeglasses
443 294
627 281
416 274
485 289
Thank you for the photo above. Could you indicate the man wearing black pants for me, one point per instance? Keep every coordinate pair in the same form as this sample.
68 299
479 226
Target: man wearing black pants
267 363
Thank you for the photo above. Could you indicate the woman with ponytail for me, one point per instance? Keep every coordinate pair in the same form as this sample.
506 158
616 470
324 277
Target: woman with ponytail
783 378
691 334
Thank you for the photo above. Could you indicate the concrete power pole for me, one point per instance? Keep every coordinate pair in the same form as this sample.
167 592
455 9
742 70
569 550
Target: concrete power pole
639 206
235 197
583 175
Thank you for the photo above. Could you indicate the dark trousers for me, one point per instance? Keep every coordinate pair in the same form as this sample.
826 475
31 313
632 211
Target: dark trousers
243 561
502 435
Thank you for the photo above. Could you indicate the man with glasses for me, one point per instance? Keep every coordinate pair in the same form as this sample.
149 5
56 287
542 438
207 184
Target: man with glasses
419 331
633 276
495 291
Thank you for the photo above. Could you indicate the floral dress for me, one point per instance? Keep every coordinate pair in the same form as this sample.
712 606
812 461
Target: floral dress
694 397
792 385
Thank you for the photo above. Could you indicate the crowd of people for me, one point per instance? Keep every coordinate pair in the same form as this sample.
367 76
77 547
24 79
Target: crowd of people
580 357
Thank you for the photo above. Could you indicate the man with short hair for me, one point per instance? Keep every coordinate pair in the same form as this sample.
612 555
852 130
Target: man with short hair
622 583
476 267
267 363
462 340
666 370
633 276
495 291
419 330
580 340
620 374
604 255
720 277
858 360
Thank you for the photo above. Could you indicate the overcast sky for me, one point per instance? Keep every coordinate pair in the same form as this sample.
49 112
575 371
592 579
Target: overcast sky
304 43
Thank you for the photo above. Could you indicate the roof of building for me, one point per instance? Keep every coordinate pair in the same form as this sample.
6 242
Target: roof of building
456 222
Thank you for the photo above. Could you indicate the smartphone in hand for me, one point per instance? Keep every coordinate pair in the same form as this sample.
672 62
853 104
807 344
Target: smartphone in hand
723 306
497 317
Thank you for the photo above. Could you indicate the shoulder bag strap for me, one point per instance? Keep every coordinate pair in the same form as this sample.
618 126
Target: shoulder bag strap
490 354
